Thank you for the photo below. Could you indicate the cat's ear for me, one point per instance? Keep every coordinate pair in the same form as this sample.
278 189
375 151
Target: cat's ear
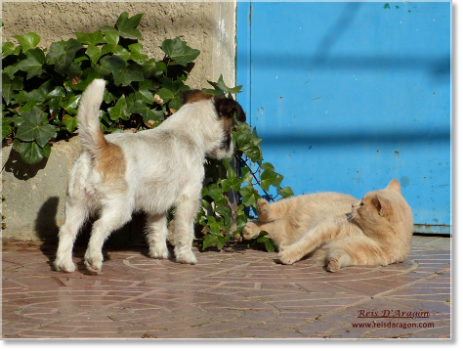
394 185
382 206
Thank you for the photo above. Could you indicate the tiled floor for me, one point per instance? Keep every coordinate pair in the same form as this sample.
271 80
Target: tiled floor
236 293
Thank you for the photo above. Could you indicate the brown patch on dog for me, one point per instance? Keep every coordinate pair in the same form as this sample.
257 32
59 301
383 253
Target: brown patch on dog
111 164
190 96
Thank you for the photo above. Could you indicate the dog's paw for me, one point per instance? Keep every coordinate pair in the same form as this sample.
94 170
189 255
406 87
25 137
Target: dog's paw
64 265
93 263
92 266
263 209
188 257
159 252
333 265
286 256
250 231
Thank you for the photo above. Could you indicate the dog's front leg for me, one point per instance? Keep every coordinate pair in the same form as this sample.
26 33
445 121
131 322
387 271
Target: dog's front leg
157 235
185 215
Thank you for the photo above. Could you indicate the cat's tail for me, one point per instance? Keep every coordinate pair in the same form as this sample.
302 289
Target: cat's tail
91 135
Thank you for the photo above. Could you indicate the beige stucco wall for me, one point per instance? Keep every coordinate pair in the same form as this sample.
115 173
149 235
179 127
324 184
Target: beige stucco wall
35 195
206 26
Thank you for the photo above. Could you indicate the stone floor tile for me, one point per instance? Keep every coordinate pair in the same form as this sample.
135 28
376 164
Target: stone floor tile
235 293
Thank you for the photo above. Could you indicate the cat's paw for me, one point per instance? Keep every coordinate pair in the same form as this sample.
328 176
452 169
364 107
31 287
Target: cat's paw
286 256
333 265
250 231
263 210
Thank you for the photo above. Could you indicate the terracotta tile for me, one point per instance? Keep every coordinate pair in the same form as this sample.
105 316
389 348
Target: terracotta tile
236 294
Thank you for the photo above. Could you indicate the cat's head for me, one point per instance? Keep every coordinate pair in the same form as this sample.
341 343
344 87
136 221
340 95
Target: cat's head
385 214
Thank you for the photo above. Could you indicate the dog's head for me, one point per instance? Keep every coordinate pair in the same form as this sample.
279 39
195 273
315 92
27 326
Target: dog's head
227 110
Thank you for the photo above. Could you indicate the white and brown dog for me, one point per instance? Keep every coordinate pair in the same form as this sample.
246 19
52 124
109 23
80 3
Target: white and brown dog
151 171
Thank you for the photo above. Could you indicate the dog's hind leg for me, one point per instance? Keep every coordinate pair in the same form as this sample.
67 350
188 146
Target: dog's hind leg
114 214
185 215
76 215
157 235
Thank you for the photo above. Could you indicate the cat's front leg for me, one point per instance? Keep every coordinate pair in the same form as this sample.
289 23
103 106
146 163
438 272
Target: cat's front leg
288 254
320 234
250 231
263 210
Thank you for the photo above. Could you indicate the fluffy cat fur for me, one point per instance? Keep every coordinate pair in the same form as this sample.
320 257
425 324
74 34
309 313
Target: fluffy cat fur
338 230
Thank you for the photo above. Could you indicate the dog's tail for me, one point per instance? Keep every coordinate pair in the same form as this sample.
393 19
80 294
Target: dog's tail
91 135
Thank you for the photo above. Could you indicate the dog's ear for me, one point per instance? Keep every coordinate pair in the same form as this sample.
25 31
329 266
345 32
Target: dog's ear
190 96
226 108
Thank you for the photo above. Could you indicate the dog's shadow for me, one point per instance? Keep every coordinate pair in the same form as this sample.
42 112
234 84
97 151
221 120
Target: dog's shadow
47 229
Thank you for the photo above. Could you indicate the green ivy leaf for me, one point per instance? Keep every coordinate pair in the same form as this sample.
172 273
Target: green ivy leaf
222 87
55 108
94 52
247 177
165 94
222 210
83 83
148 114
28 106
70 104
32 128
209 240
93 39
122 53
70 123
248 142
151 68
27 41
32 114
267 166
123 72
231 183
136 53
6 129
241 221
126 27
119 110
111 37
286 192
215 193
230 171
11 70
110 48
263 238
7 88
38 95
7 49
30 153
179 51
221 241
270 178
46 150
175 104
58 92
249 196
33 64
62 54
144 95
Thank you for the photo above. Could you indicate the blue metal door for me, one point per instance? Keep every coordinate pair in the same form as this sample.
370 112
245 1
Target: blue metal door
347 96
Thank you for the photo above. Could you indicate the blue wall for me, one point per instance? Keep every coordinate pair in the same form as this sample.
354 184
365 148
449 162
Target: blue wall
347 96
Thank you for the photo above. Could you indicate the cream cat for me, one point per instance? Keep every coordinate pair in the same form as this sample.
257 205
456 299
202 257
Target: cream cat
338 229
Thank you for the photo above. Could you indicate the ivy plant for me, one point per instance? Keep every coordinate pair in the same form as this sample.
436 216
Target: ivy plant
41 89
